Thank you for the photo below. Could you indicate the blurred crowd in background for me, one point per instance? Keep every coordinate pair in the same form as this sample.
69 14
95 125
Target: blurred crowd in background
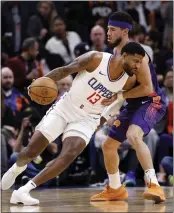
37 37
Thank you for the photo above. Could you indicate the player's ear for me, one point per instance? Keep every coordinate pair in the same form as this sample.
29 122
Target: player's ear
125 31
124 55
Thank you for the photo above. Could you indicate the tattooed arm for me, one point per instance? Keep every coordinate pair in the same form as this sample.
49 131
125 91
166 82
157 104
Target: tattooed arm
88 61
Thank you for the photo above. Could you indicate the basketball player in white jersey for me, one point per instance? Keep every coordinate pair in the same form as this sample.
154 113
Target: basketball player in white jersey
76 115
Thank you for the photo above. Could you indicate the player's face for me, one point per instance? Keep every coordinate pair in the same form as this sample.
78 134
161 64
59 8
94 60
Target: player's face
132 63
7 79
114 36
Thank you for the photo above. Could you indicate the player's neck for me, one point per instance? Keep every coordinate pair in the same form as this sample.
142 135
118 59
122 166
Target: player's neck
115 64
117 49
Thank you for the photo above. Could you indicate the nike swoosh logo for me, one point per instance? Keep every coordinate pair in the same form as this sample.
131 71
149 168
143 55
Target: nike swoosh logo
143 102
95 118
33 184
101 73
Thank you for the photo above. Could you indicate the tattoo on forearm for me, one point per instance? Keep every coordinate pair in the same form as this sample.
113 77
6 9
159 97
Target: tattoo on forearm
57 74
79 64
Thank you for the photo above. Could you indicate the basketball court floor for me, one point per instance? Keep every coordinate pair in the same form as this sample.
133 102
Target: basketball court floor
78 200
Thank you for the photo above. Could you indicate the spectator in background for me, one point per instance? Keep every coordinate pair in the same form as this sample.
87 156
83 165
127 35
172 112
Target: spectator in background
7 134
164 154
39 25
98 39
144 14
165 147
164 59
63 42
81 48
14 19
138 34
160 79
165 125
29 119
168 86
24 66
167 164
4 59
131 10
100 11
64 85
14 99
167 14
154 8
168 90
79 11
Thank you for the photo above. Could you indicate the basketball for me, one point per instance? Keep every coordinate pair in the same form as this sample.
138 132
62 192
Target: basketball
43 91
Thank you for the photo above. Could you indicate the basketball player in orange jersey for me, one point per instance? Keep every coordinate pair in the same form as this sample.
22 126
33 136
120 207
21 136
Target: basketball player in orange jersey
135 121
77 114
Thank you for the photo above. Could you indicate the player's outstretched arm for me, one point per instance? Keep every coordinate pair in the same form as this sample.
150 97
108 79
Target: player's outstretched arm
88 61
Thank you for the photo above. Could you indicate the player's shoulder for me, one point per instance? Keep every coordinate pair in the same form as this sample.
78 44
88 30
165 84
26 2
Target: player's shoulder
99 55
146 59
95 55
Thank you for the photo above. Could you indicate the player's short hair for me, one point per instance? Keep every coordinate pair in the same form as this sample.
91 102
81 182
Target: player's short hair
28 43
133 48
121 16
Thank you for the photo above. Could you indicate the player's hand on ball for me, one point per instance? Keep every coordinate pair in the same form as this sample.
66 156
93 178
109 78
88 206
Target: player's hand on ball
107 102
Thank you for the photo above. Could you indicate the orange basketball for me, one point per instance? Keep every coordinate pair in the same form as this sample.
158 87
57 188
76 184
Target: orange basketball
43 91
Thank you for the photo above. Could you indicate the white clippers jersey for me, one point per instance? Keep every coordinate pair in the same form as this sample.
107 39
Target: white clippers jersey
89 89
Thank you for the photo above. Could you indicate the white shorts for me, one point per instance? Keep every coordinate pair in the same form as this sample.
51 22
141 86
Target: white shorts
64 117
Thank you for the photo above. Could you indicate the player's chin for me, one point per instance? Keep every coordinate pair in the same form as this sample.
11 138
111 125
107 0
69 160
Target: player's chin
110 44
